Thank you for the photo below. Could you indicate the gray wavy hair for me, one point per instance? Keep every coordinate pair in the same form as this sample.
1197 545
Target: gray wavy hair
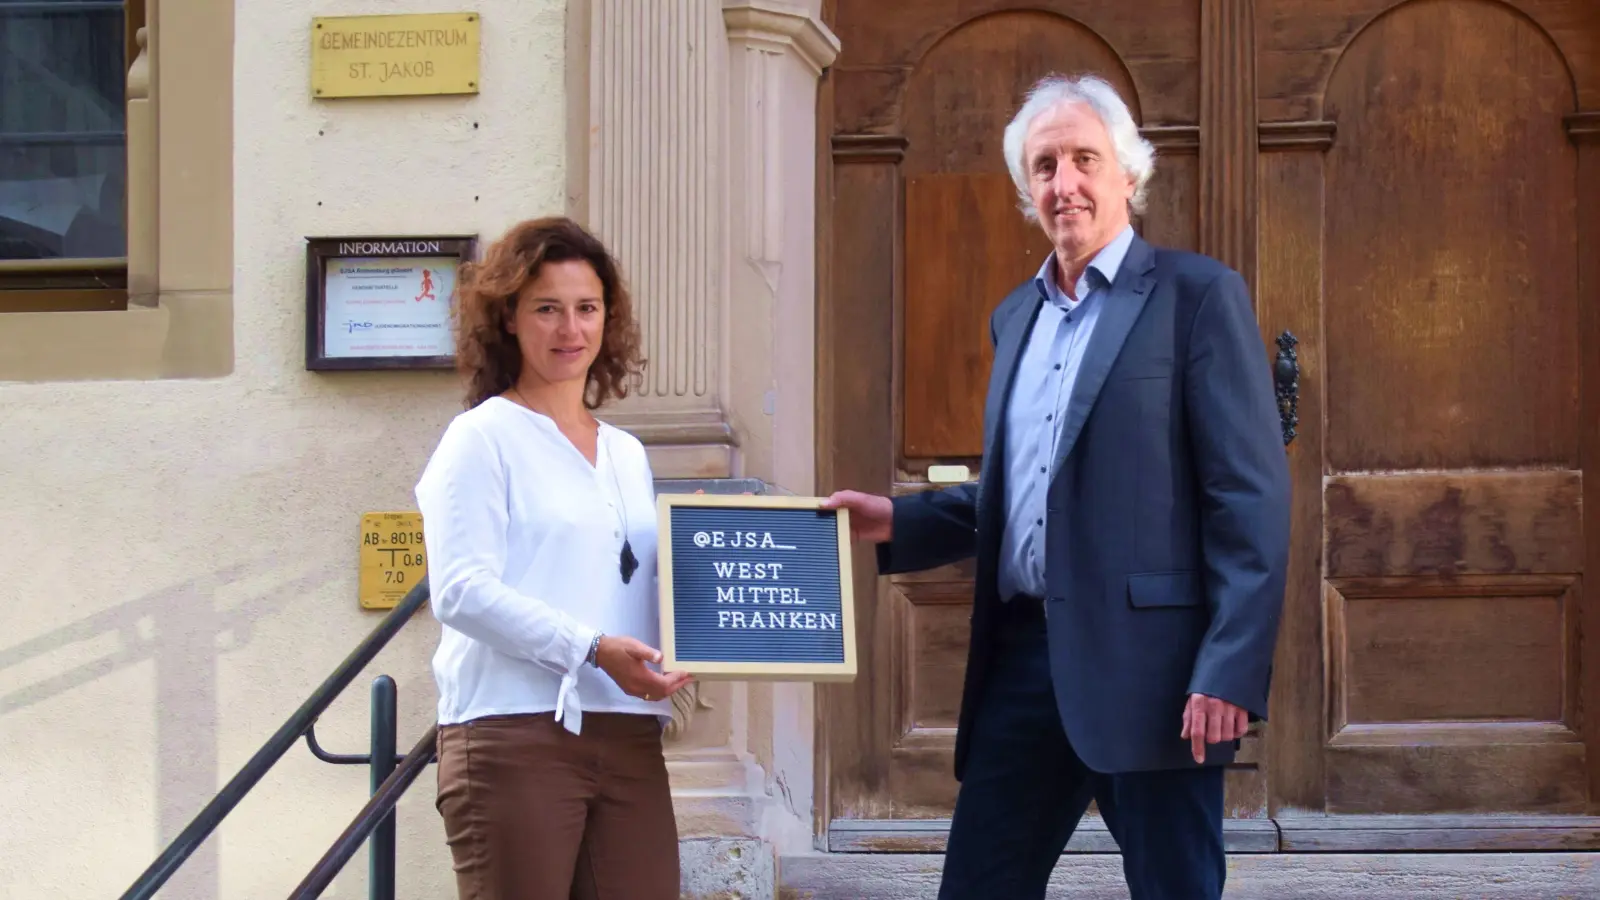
1135 155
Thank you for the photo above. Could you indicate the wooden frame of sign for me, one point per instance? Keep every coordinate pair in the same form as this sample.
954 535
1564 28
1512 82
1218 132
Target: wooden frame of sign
389 310
771 597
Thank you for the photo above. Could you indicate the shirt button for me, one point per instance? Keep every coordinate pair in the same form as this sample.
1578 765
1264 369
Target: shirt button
1058 367
1049 416
1042 469
1039 522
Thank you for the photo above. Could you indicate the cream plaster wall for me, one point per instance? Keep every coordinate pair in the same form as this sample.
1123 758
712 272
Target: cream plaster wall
178 556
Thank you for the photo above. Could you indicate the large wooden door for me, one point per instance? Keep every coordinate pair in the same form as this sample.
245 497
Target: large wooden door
1414 194
1428 227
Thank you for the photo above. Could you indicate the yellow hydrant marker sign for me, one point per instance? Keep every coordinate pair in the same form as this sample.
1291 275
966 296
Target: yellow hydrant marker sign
391 56
393 560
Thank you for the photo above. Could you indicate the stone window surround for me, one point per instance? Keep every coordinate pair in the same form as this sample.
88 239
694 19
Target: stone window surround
179 320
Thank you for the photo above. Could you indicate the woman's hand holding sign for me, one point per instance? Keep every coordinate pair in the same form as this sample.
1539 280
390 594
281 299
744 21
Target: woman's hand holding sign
625 659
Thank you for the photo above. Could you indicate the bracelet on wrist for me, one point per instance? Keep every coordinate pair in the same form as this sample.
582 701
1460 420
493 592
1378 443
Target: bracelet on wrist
593 658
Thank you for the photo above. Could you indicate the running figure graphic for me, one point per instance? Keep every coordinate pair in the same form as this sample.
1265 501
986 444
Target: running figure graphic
427 286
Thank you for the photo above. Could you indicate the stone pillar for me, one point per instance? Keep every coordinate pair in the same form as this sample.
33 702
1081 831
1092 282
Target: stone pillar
693 156
776 54
649 177
777 51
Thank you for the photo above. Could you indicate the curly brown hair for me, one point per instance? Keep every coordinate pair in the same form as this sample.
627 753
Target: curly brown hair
487 353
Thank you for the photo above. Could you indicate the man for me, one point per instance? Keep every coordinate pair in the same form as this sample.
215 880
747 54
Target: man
1130 525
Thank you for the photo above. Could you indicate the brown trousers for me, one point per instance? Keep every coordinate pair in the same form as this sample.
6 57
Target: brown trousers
534 812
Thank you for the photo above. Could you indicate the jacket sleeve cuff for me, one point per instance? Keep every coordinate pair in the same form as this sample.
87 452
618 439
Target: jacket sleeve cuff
1252 701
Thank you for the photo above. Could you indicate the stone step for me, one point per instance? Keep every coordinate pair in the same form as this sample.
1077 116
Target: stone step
1264 876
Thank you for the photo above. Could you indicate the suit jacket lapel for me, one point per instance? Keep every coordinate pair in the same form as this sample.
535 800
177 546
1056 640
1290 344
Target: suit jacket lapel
1007 354
1009 344
1122 305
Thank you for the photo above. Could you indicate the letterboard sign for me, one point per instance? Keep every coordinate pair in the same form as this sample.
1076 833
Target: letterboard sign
756 588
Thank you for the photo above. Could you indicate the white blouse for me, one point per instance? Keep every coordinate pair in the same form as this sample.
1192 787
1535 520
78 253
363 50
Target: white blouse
524 542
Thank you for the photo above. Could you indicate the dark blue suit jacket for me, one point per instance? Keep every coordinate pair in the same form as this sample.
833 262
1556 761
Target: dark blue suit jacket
1168 516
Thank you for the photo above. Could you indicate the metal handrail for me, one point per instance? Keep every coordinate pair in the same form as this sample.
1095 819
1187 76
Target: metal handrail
377 812
298 724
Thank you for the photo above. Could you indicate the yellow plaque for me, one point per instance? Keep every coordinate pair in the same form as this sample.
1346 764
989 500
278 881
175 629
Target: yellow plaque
392 56
392 558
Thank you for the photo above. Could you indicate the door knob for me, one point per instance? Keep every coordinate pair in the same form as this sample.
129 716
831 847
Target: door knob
1286 376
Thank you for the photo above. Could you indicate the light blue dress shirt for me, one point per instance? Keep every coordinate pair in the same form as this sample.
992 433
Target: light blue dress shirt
1046 374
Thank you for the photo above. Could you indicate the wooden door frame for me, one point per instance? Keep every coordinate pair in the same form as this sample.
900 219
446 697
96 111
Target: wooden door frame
1226 204
1231 217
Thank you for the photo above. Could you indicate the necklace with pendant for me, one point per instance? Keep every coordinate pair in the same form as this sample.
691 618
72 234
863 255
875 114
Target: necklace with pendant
628 563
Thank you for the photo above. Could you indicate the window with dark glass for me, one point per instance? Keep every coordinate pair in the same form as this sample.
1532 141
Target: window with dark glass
63 152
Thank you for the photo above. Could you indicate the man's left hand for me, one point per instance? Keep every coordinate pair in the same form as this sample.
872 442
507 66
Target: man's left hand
1207 720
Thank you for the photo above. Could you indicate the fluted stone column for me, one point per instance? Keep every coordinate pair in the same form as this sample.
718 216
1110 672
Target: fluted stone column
650 179
693 156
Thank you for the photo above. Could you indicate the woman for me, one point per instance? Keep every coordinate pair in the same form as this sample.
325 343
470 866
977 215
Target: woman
540 525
